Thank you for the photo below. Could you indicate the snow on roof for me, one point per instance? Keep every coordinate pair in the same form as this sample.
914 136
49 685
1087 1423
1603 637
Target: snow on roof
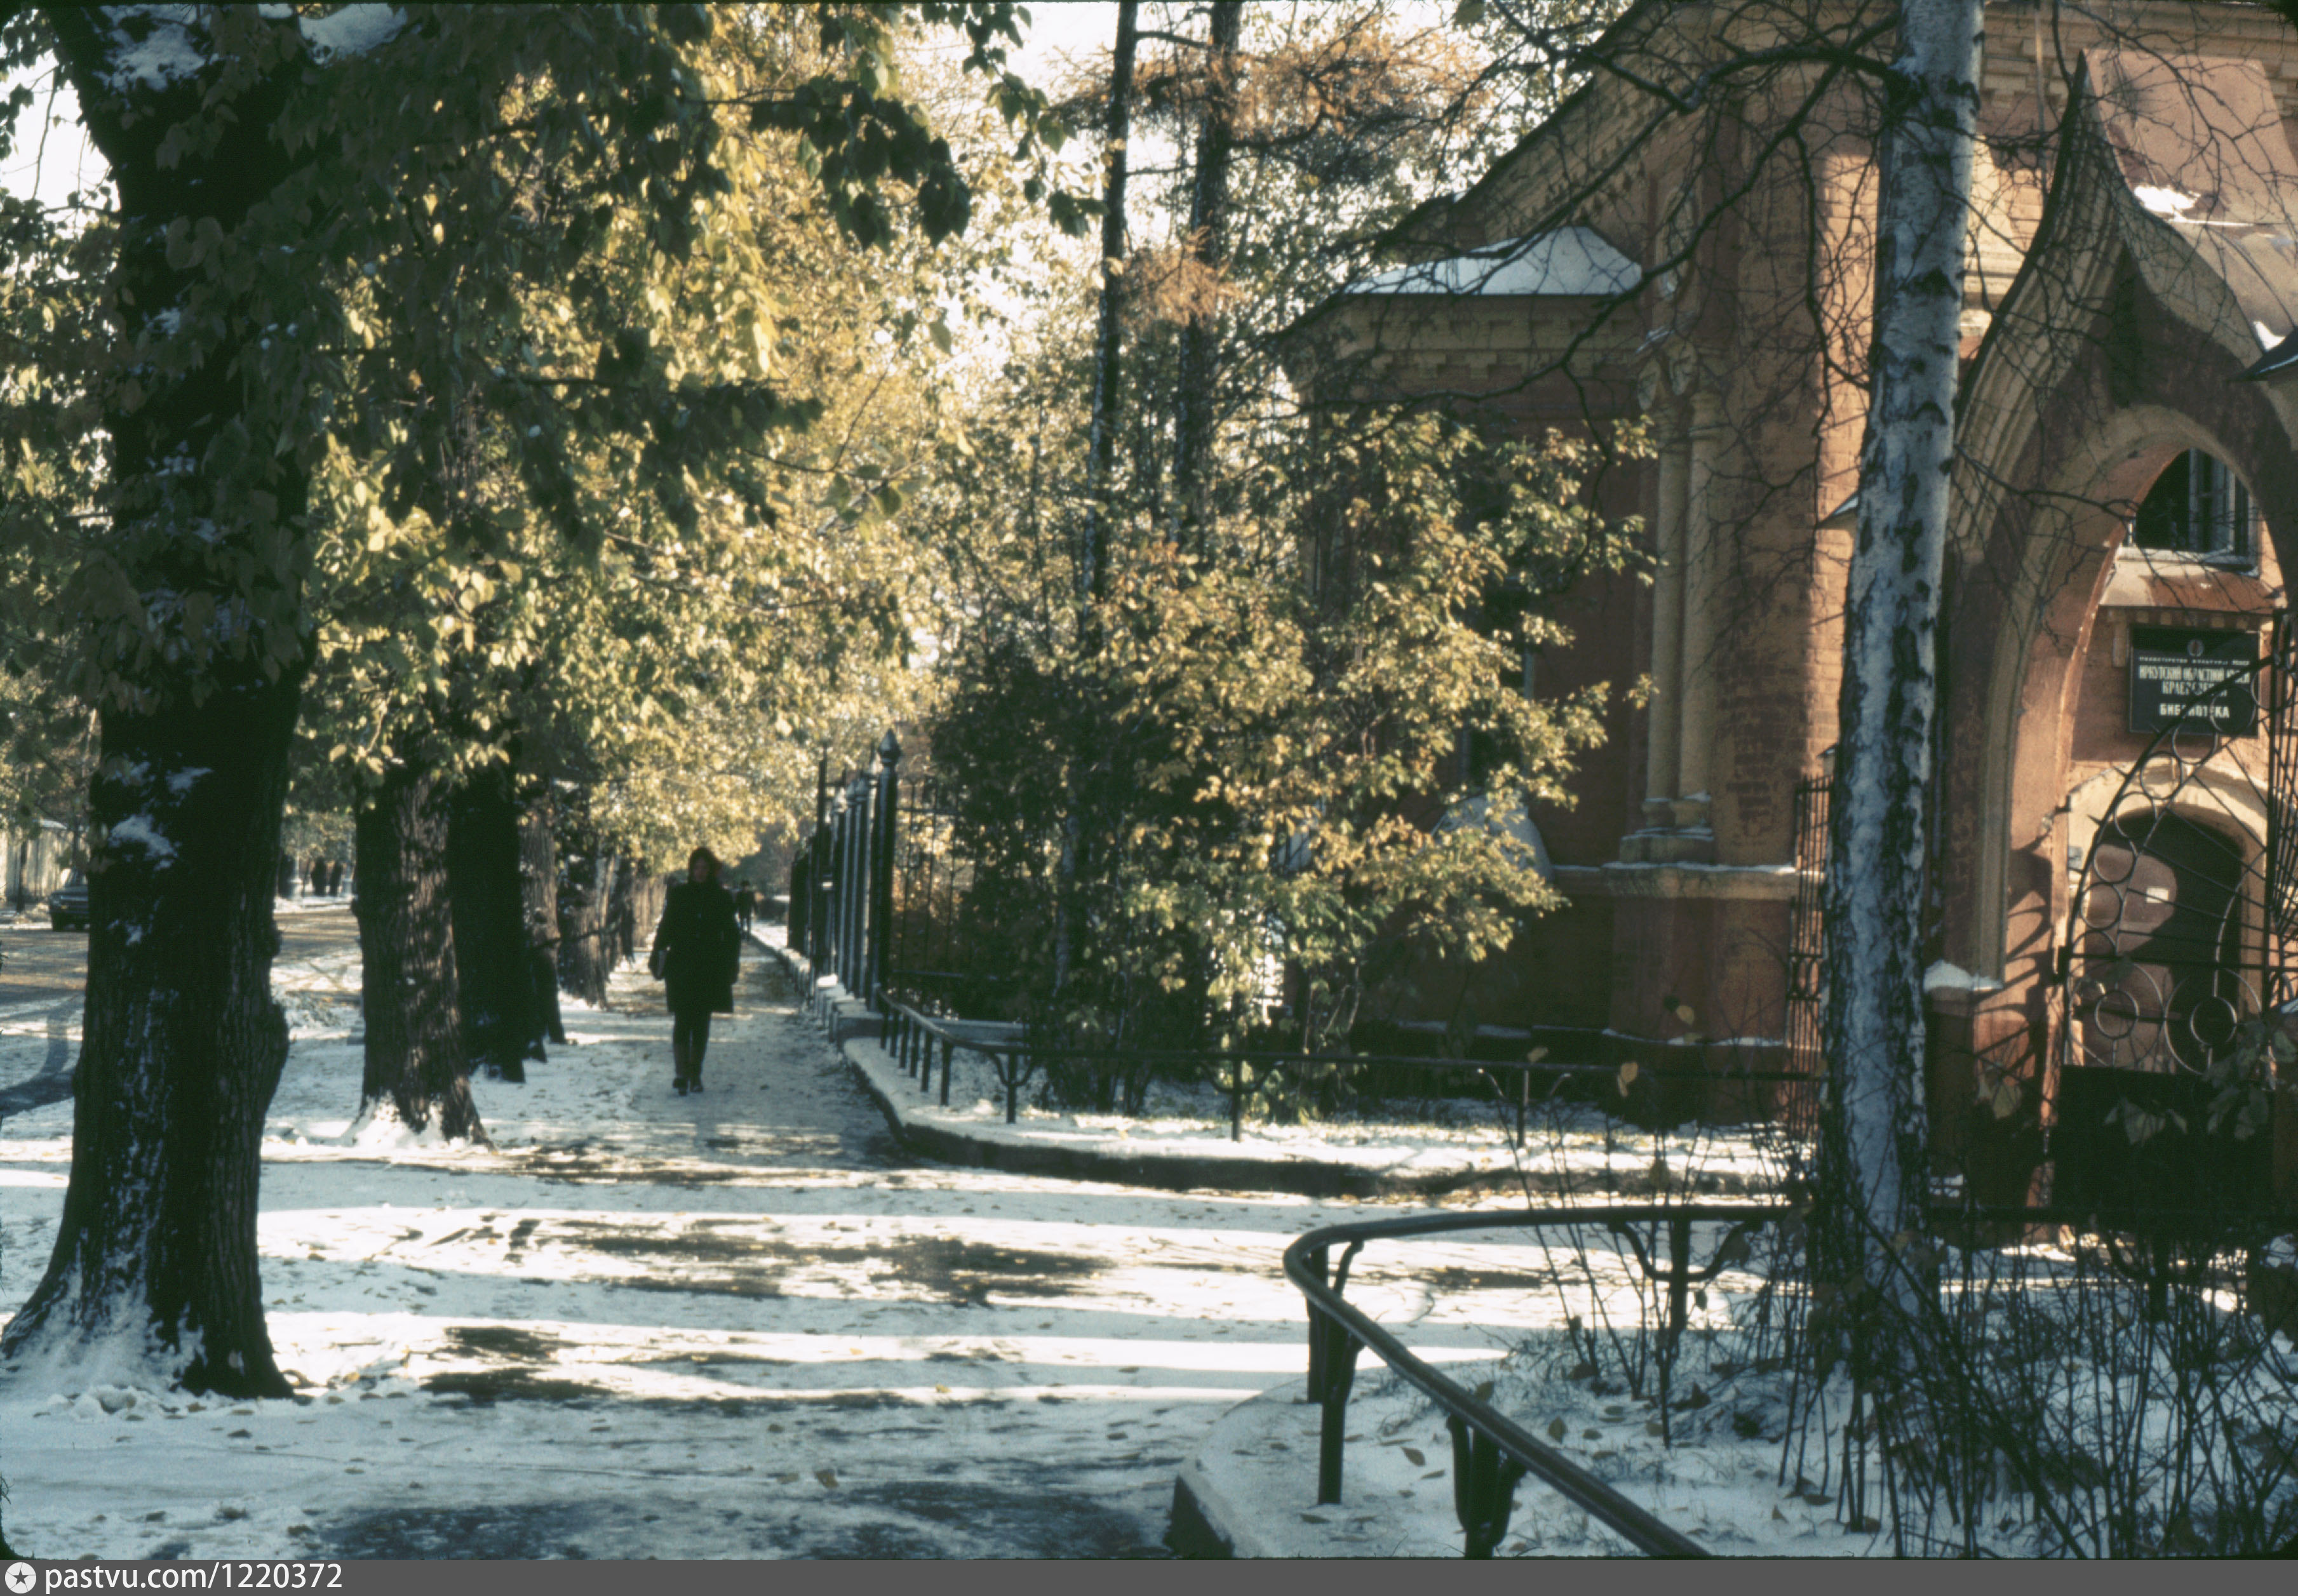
1570 261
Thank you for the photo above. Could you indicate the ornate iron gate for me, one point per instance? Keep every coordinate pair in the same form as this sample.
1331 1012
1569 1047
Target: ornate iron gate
2182 926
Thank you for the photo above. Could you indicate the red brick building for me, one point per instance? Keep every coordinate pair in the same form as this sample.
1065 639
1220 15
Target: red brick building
2126 472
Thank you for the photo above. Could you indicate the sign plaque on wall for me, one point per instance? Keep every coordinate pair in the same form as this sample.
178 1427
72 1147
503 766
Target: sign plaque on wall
2172 668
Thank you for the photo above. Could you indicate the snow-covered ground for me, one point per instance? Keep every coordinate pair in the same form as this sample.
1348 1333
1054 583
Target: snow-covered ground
741 1324
1732 1463
1721 1485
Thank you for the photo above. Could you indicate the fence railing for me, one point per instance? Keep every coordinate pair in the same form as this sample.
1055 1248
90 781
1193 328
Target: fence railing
1976 1380
879 892
1492 1453
842 882
914 1037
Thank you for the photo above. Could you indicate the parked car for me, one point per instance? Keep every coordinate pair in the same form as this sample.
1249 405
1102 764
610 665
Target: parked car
68 903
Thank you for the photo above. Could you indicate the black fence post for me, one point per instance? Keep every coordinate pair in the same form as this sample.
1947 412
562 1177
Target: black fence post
841 959
881 873
854 888
799 902
819 876
819 887
833 889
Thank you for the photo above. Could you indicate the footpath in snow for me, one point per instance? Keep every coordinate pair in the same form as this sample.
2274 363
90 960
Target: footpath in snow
745 1324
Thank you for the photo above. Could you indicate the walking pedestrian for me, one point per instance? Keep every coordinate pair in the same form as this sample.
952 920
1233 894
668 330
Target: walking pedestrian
746 903
697 951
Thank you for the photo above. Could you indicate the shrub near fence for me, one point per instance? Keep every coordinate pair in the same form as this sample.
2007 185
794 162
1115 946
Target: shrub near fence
886 904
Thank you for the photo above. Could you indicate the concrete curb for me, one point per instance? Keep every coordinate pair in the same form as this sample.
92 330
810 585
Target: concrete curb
1193 1165
1264 1451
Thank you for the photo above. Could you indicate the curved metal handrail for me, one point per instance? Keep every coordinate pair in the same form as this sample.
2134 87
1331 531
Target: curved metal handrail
1491 1450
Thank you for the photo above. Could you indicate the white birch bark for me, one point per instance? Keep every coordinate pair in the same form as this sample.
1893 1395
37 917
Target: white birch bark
1876 1131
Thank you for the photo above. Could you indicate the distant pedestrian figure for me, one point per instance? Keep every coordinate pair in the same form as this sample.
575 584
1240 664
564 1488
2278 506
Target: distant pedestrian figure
745 904
697 950
335 878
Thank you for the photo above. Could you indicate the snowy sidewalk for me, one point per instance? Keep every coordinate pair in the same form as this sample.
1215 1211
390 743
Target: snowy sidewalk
741 1324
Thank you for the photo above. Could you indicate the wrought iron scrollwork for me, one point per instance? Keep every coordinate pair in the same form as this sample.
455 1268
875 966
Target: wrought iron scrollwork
2182 916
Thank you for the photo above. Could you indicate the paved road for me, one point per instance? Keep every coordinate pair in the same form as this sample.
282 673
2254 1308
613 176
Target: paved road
44 975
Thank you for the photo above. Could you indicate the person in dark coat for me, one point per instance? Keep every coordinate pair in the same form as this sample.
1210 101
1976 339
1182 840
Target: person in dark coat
697 951
746 903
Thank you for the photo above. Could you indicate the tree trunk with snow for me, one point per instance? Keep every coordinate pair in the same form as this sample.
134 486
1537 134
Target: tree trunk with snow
415 1059
1874 1149
155 1269
492 973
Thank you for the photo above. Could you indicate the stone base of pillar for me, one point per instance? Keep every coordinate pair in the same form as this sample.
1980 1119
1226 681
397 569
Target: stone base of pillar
1668 845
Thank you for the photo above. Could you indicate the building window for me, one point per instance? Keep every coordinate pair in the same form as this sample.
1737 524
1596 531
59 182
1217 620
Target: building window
2197 507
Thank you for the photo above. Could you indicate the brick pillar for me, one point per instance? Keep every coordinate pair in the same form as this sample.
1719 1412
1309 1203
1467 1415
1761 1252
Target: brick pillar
1703 613
1665 716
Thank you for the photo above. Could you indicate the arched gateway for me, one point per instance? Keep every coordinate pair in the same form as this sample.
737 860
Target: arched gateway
2127 492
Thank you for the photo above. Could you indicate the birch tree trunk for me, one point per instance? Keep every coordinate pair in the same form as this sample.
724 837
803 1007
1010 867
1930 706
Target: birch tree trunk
1873 1151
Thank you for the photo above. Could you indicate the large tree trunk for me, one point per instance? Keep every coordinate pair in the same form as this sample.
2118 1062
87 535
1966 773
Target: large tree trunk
1874 1148
638 895
586 951
538 898
491 963
1209 210
155 1259
414 1060
183 1048
1107 387
1101 465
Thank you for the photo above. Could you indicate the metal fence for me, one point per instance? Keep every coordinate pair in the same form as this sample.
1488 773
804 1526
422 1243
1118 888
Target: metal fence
1807 927
882 895
842 882
1519 1090
884 908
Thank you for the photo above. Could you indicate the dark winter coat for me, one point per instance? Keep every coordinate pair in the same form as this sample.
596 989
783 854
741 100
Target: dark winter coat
701 947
